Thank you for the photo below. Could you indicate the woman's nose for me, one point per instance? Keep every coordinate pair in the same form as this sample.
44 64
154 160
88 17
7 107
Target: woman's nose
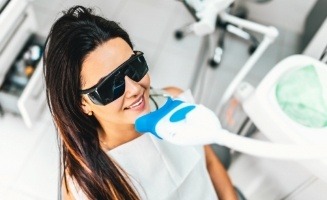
132 88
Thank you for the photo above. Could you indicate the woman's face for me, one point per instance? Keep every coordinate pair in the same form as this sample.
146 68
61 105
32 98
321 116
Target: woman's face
135 100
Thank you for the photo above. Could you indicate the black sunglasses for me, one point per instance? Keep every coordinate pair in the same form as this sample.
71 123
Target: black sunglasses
112 86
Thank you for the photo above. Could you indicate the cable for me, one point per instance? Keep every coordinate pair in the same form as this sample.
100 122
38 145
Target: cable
155 103
323 55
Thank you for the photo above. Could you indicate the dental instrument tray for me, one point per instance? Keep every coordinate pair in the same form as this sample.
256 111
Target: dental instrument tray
23 67
20 73
22 90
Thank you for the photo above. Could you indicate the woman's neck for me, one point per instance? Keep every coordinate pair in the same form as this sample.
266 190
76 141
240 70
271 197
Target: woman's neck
112 136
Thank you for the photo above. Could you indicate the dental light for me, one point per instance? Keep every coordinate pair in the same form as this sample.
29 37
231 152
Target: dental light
207 11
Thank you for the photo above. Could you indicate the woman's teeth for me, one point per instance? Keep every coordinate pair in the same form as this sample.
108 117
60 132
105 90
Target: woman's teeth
136 104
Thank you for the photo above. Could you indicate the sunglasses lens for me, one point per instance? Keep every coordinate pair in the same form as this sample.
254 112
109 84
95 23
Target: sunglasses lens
106 95
141 68
118 87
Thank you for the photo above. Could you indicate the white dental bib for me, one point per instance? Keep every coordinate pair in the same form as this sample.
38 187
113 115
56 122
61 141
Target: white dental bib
160 170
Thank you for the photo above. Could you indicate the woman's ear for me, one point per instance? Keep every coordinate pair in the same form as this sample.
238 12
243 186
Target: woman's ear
85 104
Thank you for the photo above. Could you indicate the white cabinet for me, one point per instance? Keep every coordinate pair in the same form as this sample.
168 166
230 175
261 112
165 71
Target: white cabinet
18 25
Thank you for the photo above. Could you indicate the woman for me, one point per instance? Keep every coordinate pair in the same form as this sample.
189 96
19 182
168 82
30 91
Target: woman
96 87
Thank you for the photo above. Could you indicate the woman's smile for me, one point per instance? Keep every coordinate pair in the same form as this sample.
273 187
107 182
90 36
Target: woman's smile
137 105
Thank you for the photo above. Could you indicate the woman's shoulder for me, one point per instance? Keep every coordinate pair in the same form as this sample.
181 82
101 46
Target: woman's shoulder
159 97
173 91
70 190
168 91
66 192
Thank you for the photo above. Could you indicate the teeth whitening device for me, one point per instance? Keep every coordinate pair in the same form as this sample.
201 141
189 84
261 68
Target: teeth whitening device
189 124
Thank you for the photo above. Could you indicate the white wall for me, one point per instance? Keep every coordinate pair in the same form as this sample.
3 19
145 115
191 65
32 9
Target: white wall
287 14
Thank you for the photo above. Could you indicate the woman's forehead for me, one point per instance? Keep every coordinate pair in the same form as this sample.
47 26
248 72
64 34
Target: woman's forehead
103 60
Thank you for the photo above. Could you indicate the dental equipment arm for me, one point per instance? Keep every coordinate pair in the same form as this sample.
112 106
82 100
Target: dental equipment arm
207 12
189 124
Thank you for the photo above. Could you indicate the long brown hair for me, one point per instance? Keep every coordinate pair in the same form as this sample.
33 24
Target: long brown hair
73 36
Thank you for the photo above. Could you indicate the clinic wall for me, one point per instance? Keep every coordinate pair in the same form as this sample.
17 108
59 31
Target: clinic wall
287 14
